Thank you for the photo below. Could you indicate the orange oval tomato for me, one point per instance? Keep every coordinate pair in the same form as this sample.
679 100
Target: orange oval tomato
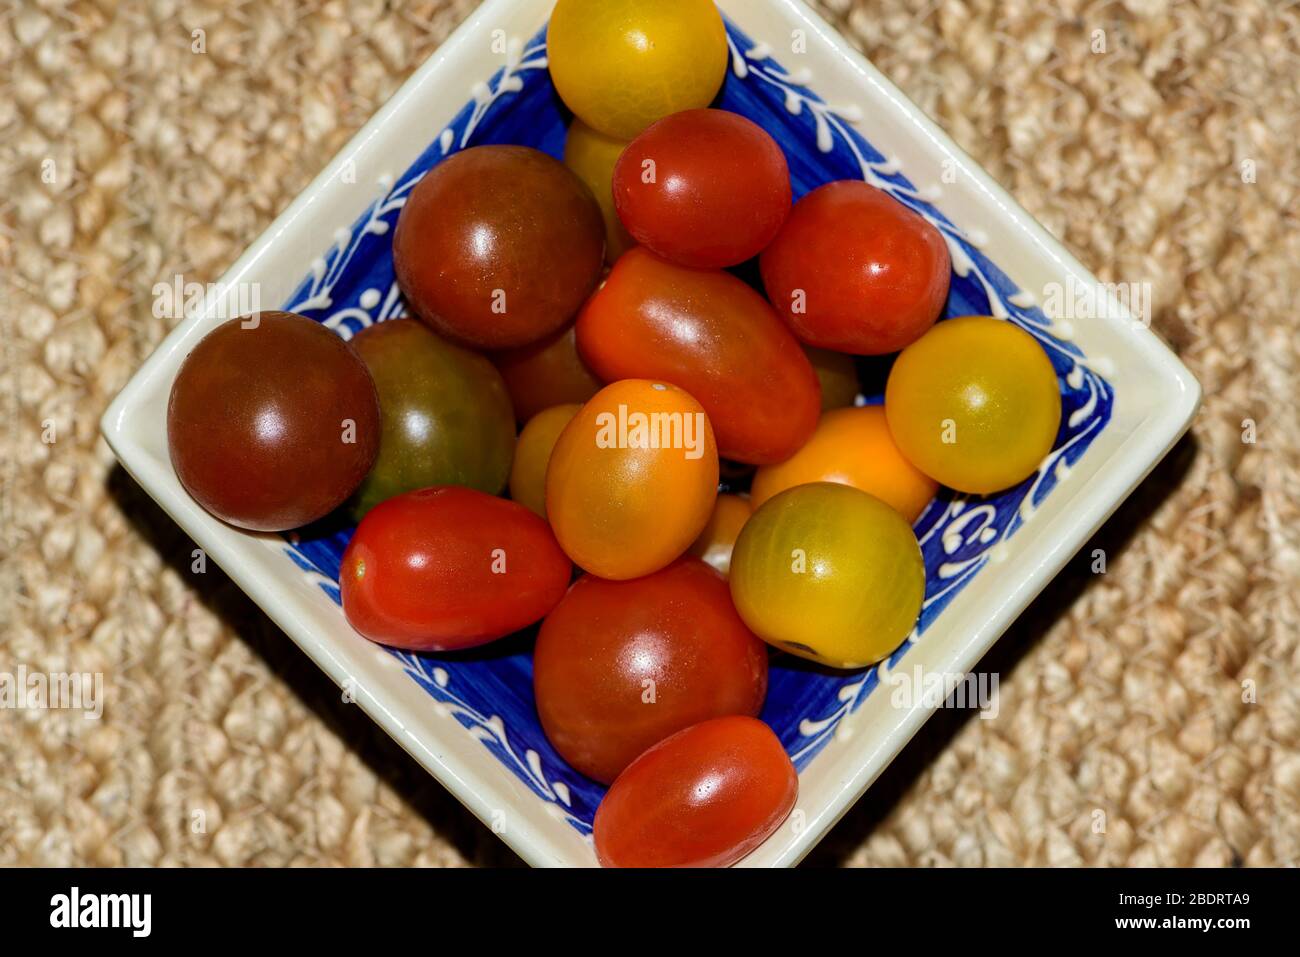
709 333
546 373
852 447
704 797
533 454
730 513
975 403
632 479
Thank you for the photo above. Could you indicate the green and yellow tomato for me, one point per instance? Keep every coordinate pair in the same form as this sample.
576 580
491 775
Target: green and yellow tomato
446 415
829 573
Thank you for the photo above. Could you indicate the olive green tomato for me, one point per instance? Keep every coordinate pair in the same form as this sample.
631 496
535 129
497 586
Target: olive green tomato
446 414
830 573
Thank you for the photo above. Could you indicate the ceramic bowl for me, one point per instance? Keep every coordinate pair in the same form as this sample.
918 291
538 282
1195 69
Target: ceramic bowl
470 719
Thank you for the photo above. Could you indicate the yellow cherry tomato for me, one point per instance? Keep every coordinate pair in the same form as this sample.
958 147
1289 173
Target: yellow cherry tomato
838 377
974 403
632 479
592 156
533 454
619 65
852 447
829 573
730 513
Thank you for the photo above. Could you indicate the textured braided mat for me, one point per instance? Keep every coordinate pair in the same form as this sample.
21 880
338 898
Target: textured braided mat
1121 693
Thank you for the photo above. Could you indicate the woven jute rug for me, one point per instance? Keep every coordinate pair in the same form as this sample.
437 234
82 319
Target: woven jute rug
1149 715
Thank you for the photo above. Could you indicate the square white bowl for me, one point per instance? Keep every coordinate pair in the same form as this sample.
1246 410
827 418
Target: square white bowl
509 787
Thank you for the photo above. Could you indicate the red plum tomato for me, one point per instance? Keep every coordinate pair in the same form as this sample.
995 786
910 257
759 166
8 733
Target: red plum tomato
707 332
441 569
705 797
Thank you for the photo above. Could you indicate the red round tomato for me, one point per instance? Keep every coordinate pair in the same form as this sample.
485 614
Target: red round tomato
619 666
705 331
446 568
856 271
705 188
705 797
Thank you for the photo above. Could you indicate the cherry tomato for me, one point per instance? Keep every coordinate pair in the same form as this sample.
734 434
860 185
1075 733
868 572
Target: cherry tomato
536 441
592 156
974 403
619 65
837 375
272 421
497 246
853 447
446 416
632 479
829 573
707 332
704 188
619 666
441 569
856 271
730 513
546 373
705 797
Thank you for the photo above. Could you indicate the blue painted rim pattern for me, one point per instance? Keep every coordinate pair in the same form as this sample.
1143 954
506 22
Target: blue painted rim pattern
489 692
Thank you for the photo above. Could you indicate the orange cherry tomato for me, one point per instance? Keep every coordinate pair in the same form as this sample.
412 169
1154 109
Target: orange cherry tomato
533 454
632 479
852 447
709 333
705 797
546 373
619 666
730 513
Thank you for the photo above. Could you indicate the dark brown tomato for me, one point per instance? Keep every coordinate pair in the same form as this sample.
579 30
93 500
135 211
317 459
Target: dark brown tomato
620 666
705 331
497 246
273 421
546 373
